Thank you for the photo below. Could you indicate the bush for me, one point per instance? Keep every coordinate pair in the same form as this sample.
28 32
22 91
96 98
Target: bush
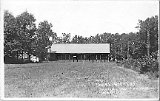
149 64
153 75
11 60
145 65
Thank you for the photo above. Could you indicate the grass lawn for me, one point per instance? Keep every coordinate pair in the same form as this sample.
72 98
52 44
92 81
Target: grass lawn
76 79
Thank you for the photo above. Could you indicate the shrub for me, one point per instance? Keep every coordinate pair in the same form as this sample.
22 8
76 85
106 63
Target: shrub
149 64
146 65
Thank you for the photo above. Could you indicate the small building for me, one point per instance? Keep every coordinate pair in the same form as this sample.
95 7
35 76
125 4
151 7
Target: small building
80 51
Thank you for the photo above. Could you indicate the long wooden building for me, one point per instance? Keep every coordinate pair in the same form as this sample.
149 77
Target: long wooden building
80 51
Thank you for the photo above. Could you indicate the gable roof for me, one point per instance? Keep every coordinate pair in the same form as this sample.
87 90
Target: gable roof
80 48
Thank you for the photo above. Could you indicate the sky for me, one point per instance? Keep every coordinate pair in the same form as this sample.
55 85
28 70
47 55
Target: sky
86 17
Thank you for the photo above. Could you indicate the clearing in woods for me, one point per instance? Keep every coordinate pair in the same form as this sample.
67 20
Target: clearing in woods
76 79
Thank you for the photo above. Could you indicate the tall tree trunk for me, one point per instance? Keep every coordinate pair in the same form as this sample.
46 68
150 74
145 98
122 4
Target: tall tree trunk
148 43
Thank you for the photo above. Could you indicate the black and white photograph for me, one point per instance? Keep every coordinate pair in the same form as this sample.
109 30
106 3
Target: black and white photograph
80 50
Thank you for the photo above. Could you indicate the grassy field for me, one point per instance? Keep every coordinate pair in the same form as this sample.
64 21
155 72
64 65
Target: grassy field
76 79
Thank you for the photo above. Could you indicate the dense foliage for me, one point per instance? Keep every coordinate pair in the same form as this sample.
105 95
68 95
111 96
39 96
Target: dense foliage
146 65
22 39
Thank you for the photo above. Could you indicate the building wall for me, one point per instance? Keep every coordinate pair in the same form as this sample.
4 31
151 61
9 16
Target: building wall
79 56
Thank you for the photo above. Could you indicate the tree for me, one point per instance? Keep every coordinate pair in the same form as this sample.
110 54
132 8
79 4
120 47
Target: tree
44 32
11 44
149 33
66 37
26 29
79 39
86 40
75 39
91 39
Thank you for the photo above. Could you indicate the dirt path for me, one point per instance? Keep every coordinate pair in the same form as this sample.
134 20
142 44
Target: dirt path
84 80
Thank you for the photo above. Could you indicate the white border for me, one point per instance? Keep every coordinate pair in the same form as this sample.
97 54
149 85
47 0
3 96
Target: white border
1 51
65 98
80 99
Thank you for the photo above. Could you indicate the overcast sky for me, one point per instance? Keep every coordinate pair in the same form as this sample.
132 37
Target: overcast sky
86 17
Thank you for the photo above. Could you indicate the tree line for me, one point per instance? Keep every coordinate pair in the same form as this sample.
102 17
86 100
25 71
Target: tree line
21 35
